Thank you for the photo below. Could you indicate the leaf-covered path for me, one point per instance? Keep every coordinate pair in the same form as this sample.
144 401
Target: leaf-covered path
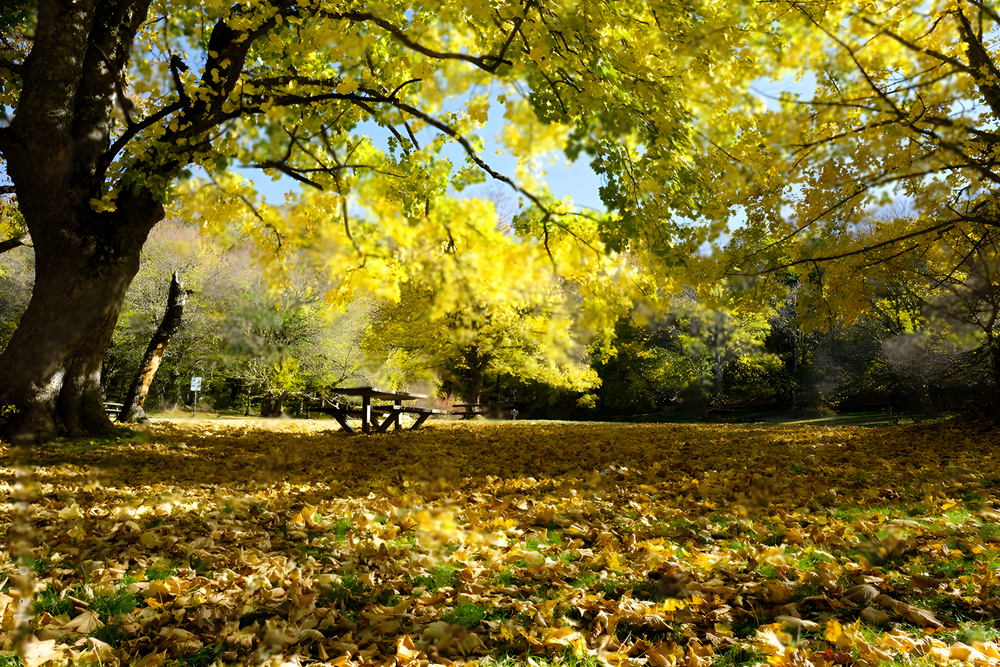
238 541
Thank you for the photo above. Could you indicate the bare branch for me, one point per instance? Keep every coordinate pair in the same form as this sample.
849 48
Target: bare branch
942 227
487 63
126 136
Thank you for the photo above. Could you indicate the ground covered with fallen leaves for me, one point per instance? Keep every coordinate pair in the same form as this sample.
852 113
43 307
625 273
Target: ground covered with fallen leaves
235 542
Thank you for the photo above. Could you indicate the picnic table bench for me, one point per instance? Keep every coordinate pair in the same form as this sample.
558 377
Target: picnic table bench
113 409
372 415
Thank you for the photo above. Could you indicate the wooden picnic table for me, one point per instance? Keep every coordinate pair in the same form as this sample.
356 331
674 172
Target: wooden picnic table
368 411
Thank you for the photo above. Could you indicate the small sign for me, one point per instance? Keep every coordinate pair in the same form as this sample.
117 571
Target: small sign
195 384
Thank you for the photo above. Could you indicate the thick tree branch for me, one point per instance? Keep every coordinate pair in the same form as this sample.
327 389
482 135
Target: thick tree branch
11 66
15 242
488 63
126 136
940 228
982 68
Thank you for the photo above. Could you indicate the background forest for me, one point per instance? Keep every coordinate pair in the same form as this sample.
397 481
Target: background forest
264 347
797 208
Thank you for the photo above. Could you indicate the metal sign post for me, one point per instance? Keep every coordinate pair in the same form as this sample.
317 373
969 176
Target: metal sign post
195 386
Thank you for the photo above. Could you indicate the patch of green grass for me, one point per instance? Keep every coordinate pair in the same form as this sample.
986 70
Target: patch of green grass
38 565
870 633
199 566
739 655
672 632
968 632
953 568
109 634
803 591
745 627
468 615
160 573
10 659
501 660
570 659
767 571
853 512
938 603
349 592
584 580
773 540
973 500
958 515
989 530
508 577
89 444
117 602
404 542
49 601
914 660
341 528
568 557
441 576
203 657
809 560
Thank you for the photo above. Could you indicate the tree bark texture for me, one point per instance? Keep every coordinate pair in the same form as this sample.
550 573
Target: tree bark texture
169 325
85 259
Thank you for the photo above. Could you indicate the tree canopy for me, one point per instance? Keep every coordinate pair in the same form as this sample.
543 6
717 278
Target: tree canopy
112 106
110 102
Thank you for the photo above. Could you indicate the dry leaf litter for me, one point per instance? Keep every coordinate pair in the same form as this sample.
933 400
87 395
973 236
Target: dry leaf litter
234 542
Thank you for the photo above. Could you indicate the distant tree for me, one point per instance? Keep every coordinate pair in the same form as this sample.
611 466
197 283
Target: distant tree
640 370
712 339
480 305
966 301
135 397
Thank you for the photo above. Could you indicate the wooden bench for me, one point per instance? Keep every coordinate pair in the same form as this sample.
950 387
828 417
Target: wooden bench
113 409
341 413
377 418
396 411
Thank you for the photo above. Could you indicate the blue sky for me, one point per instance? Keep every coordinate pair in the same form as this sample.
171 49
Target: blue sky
577 180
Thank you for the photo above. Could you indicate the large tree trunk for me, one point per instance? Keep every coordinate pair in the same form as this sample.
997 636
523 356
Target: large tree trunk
57 155
169 325
51 369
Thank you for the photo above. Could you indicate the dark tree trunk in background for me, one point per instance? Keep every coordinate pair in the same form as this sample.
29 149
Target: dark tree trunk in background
477 364
169 325
271 404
